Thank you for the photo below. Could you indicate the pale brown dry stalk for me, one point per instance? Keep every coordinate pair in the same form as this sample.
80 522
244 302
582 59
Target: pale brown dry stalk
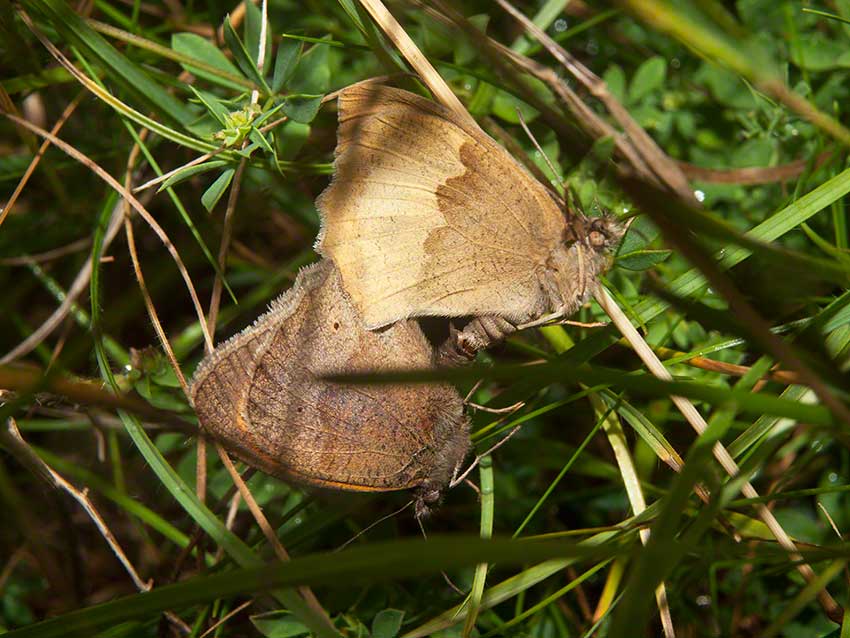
407 47
257 512
29 459
662 166
151 308
19 187
226 617
47 255
135 203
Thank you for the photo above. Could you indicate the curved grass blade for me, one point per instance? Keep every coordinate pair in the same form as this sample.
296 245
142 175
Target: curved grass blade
378 561
135 81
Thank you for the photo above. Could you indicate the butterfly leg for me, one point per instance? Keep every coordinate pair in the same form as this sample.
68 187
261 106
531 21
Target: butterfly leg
479 334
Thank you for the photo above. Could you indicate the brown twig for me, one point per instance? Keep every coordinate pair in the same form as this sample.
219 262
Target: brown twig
19 187
268 532
30 379
135 203
27 457
752 176
664 169
786 377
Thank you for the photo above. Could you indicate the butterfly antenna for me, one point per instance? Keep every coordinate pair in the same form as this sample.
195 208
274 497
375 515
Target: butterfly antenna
378 522
568 210
448 580
536 144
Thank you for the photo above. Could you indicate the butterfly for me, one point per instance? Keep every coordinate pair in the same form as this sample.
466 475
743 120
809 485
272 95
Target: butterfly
426 215
263 394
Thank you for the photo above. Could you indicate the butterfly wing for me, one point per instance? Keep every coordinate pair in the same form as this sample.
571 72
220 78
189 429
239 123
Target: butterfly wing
427 215
292 423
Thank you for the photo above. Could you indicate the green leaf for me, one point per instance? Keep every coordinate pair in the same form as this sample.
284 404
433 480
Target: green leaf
312 75
203 50
816 52
843 7
242 57
279 624
725 86
190 171
465 52
260 140
387 623
642 259
505 106
291 138
648 78
288 54
211 196
615 78
302 108
215 108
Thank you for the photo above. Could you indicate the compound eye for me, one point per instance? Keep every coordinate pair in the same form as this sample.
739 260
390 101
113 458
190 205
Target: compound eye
597 239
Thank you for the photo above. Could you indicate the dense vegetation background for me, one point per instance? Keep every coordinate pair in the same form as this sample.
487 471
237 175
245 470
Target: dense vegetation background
746 104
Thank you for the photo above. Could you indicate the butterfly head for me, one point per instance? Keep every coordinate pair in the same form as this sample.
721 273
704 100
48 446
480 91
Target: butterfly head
603 234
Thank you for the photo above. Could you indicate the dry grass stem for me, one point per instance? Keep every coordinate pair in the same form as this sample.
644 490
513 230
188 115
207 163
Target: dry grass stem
80 283
19 187
407 47
24 453
665 170
268 531
135 203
